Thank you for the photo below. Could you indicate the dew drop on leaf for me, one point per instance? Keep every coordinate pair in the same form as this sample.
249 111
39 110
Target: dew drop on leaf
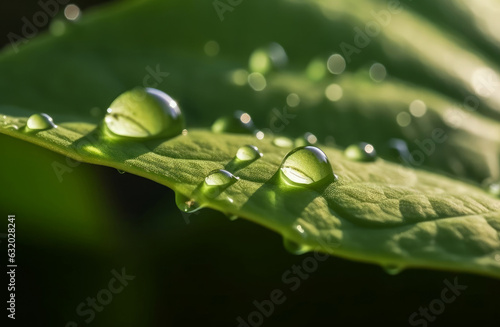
39 122
144 113
361 152
393 269
240 123
217 181
283 142
186 204
306 165
294 247
248 153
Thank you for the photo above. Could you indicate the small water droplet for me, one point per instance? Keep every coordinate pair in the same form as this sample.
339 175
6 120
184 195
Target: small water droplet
306 165
336 64
294 247
121 172
398 150
316 69
378 72
292 100
144 113
240 123
418 108
334 92
12 127
259 61
361 152
39 122
393 269
494 188
211 48
283 142
257 81
259 135
248 153
217 181
186 204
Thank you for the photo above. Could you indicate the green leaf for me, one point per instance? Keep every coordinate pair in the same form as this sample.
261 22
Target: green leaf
377 212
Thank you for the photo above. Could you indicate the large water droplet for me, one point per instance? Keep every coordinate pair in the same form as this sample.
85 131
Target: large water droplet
306 165
248 153
186 204
240 122
144 113
217 181
39 122
393 269
361 152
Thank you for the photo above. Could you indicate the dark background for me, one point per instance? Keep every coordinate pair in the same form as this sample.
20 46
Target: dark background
203 273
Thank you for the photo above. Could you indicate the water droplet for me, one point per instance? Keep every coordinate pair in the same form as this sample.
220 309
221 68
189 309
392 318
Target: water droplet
144 113
403 119
121 172
12 127
72 12
494 188
211 48
294 247
316 69
336 64
398 149
186 204
283 142
306 165
418 108
259 61
334 92
240 122
260 135
393 269
39 122
307 139
292 100
239 77
378 72
361 152
257 81
217 181
248 152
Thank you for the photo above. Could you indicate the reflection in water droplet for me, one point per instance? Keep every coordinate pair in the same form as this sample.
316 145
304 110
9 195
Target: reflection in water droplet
38 122
283 142
418 108
257 81
248 152
186 204
403 119
393 269
144 113
336 64
217 181
378 72
211 48
292 100
361 152
334 92
241 122
306 165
